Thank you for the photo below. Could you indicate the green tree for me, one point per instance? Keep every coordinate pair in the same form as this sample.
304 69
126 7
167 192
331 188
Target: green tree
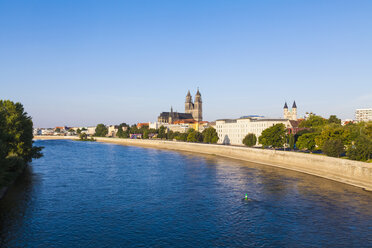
210 135
194 136
313 121
18 131
334 119
78 131
307 142
250 140
133 129
333 147
4 147
123 131
361 149
101 130
332 132
368 129
146 134
57 130
291 141
161 132
182 137
274 136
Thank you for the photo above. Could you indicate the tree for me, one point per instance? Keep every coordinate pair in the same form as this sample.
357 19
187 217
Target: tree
133 129
291 141
368 129
16 132
101 130
161 132
361 149
78 131
123 131
333 148
334 119
273 136
182 137
313 121
146 134
58 130
250 140
307 142
210 135
194 136
332 132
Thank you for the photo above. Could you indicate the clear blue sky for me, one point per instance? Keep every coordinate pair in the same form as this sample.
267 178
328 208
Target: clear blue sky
86 62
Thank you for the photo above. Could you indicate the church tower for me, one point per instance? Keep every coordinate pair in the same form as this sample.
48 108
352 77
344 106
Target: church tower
198 107
290 114
189 106
285 111
294 111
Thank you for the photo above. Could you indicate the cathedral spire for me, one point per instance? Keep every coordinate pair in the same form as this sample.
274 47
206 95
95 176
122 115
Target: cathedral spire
294 104
198 93
285 105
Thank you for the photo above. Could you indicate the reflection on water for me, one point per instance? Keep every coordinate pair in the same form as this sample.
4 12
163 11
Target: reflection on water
85 194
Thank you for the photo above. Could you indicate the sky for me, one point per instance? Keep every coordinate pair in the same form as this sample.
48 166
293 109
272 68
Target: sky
80 63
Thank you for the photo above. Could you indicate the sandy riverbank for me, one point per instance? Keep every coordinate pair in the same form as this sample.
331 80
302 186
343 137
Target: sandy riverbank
342 170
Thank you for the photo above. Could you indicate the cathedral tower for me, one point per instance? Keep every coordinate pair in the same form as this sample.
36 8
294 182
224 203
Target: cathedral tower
198 107
189 106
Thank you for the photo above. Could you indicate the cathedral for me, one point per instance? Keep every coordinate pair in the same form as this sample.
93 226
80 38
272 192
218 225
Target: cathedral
193 111
290 114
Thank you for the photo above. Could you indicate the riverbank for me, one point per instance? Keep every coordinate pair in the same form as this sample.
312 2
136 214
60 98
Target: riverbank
345 171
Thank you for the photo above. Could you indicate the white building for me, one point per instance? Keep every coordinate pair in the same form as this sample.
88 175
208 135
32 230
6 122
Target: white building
233 131
182 128
363 115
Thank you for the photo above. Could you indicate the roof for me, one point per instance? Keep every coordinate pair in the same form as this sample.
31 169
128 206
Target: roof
185 121
177 115
294 123
285 105
294 104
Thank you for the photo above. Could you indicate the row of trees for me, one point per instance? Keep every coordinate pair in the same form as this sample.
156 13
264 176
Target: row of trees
324 135
16 145
209 135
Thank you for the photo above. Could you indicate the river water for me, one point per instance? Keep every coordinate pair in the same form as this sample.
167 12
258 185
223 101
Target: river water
89 194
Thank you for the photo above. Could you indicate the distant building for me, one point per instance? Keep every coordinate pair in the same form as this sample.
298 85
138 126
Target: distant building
90 130
36 131
233 131
363 115
47 131
290 114
112 130
193 111
346 121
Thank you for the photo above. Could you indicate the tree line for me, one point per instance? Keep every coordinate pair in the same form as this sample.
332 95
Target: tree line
317 134
16 144
209 135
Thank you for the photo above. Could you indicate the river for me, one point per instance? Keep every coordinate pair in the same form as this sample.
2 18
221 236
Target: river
90 194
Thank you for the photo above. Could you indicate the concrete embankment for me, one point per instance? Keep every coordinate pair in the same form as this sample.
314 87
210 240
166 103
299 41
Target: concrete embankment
342 170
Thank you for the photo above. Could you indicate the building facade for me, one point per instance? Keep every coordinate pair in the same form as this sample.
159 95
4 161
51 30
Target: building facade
363 115
233 131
